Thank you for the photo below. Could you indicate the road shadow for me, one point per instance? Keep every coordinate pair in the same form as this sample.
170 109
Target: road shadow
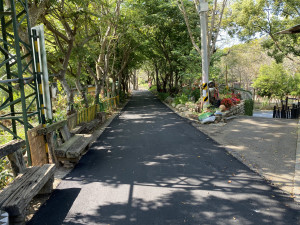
151 167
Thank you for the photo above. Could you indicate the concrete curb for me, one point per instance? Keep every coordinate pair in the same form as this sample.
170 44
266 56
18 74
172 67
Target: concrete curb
297 168
97 133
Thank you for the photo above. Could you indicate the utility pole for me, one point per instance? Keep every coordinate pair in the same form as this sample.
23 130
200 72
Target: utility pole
202 10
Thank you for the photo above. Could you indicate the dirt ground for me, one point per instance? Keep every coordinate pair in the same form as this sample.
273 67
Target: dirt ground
266 145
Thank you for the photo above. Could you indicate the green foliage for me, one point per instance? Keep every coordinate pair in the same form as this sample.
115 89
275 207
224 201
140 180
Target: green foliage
195 93
265 18
123 96
5 174
153 88
294 85
249 106
273 81
60 108
181 99
162 96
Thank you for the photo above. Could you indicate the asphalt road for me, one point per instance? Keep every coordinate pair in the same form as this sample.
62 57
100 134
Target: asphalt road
152 167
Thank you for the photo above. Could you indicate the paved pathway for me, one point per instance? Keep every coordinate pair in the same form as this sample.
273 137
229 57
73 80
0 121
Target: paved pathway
152 167
263 114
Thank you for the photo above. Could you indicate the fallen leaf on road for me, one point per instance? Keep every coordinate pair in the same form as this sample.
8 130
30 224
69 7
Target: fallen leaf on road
229 181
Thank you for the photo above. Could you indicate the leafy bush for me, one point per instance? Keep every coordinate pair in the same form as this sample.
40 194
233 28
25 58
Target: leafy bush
195 93
249 105
153 88
181 99
162 96
123 96
5 174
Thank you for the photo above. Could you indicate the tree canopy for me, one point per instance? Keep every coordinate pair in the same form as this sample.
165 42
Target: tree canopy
102 43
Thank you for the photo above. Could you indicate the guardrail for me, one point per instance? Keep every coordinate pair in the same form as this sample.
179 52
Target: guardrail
87 114
109 104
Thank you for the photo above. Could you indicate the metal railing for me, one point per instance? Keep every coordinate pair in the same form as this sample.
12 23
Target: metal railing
286 112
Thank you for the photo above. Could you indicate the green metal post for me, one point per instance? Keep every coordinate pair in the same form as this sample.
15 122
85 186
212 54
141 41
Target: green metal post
16 26
7 67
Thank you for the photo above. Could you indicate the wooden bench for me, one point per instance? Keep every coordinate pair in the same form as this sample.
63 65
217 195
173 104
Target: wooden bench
28 183
65 147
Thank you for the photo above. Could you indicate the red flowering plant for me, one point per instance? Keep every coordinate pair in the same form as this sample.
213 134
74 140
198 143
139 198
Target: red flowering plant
238 95
227 102
235 101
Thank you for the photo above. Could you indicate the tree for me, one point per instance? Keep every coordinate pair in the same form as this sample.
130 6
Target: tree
273 81
62 20
265 18
243 63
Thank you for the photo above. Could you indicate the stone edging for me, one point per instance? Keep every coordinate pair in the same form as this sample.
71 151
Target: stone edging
97 133
297 168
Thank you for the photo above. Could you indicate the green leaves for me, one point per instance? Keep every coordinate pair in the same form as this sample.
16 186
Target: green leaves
275 81
256 18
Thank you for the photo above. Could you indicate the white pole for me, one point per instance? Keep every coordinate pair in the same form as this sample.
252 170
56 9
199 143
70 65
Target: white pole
203 8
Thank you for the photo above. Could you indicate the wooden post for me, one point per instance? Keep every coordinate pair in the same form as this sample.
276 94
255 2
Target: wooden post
37 146
17 162
51 142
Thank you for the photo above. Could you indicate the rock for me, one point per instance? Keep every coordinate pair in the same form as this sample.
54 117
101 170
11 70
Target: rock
101 116
179 106
222 108
187 114
193 116
169 100
183 109
173 105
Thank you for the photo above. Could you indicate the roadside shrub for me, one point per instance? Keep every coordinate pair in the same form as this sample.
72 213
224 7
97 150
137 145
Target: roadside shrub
153 88
162 96
249 105
195 93
181 99
123 96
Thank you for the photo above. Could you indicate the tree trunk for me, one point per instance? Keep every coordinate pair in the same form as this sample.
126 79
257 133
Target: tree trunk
97 84
134 80
157 79
80 87
70 95
119 83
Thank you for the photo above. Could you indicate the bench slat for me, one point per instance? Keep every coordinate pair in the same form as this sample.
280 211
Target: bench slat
74 146
84 141
17 196
60 151
65 132
11 147
52 127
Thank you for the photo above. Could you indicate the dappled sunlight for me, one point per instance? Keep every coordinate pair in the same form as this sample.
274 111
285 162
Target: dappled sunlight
166 172
265 145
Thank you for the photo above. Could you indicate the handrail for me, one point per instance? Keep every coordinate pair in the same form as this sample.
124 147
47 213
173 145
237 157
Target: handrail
109 104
